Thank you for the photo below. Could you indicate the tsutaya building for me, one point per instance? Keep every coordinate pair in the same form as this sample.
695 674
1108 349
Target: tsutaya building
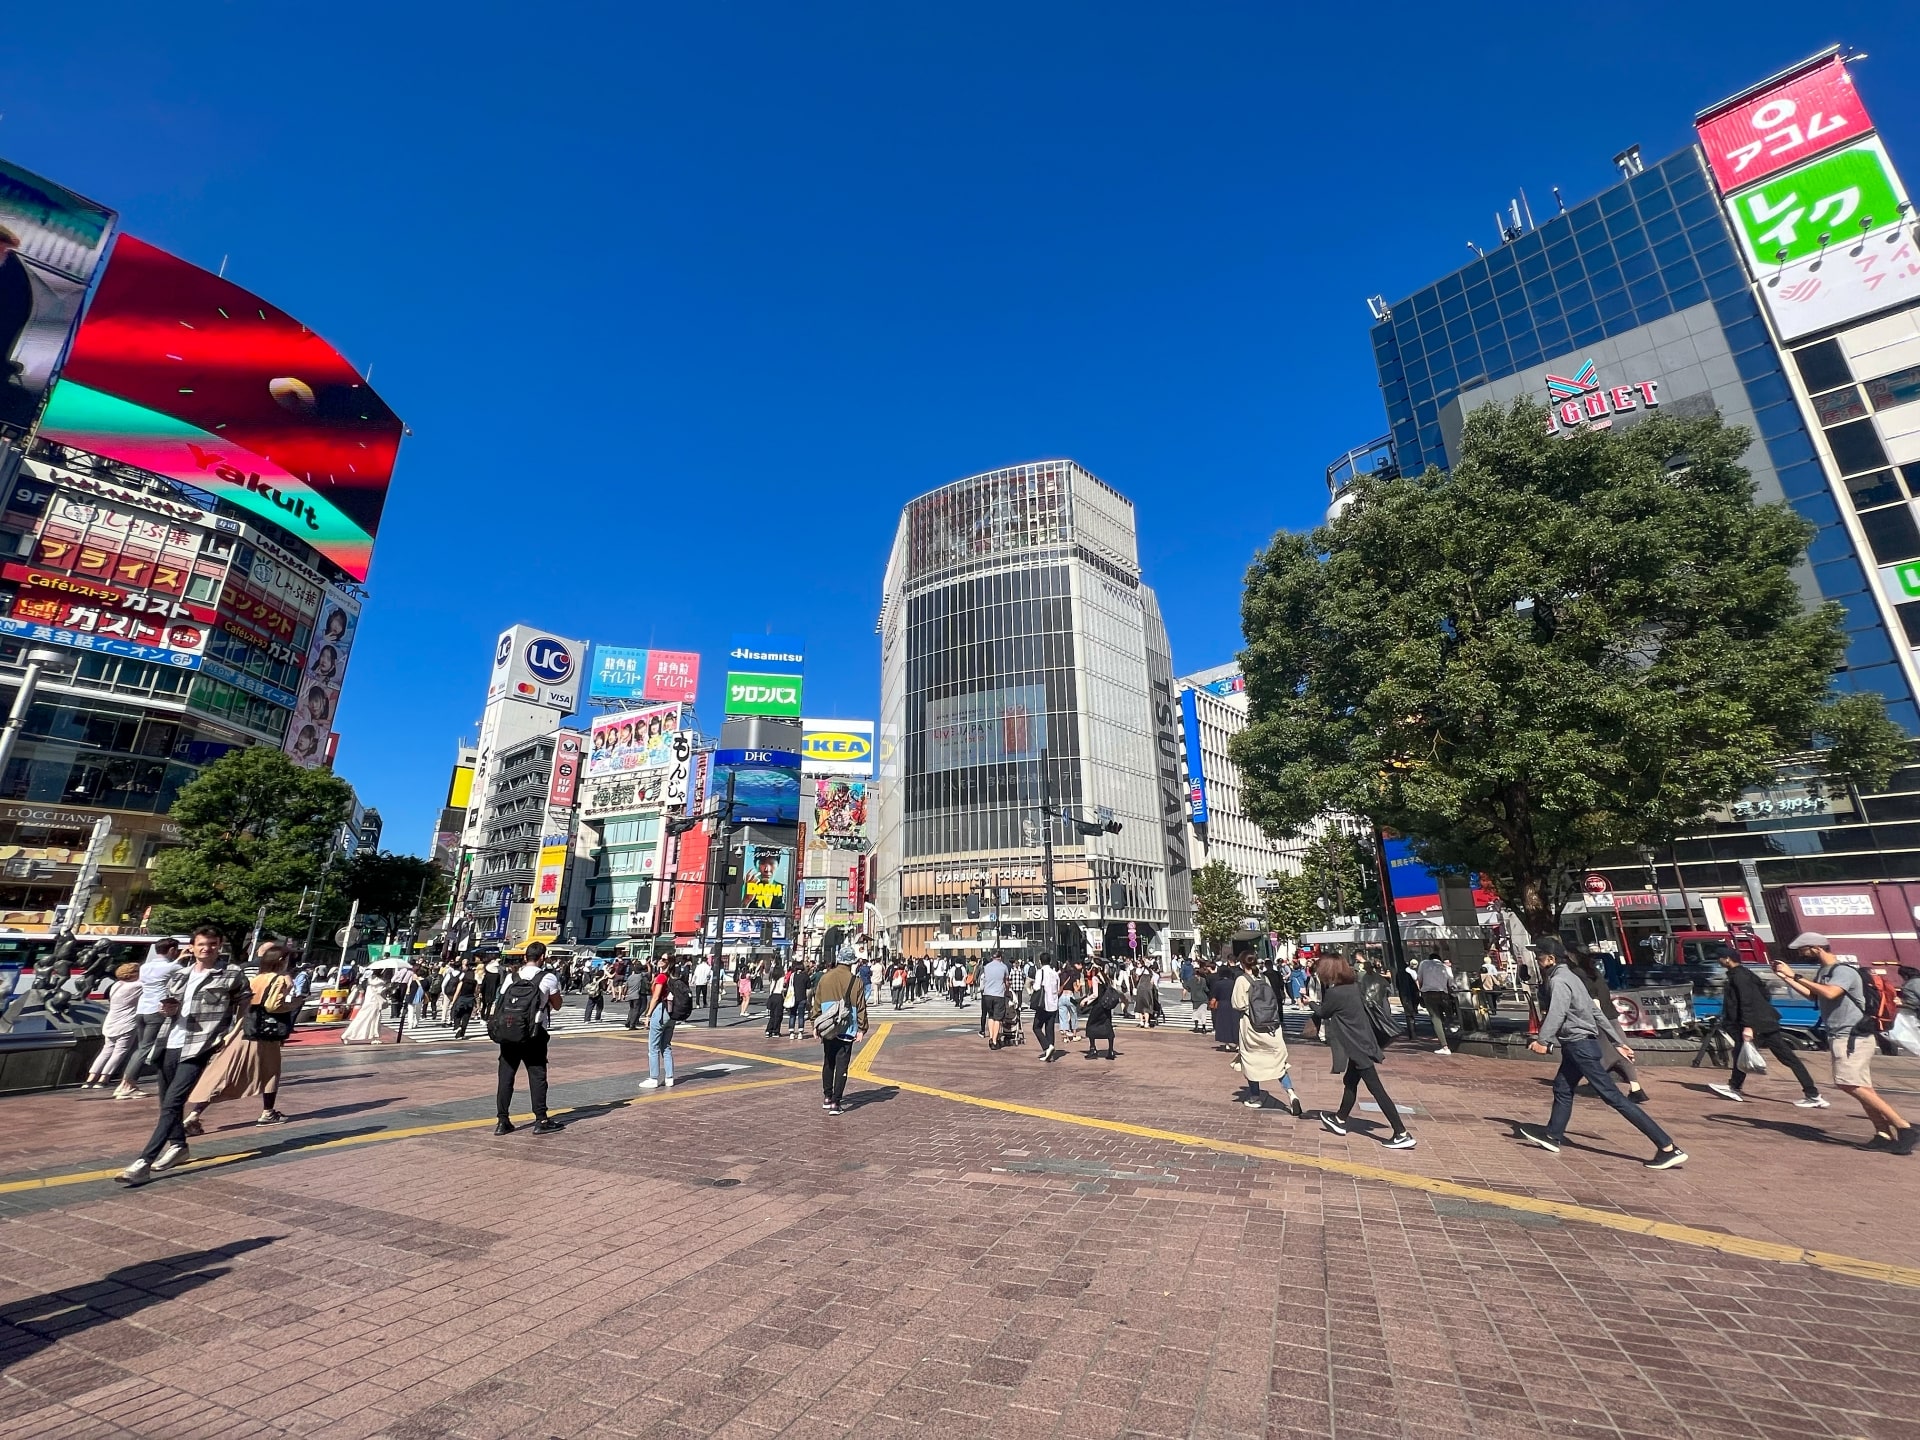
1771 274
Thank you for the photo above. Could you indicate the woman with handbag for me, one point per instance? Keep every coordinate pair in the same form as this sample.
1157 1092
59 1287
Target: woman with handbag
121 1030
249 1063
1342 1013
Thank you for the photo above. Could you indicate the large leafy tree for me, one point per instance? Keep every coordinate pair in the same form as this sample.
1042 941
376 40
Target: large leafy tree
1291 906
1339 871
1219 909
1566 646
388 886
255 829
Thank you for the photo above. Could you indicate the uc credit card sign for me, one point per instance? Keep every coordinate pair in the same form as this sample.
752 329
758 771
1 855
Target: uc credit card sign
751 693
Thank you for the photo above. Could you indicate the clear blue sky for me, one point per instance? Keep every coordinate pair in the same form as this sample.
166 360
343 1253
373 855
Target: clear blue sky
683 302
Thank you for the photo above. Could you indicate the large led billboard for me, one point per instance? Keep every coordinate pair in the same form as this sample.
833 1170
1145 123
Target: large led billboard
988 727
51 241
183 373
766 785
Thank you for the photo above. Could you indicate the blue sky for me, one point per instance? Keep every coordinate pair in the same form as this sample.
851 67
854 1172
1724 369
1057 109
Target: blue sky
682 303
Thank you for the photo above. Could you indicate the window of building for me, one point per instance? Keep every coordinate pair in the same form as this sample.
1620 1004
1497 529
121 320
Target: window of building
1823 366
1891 533
1900 388
1909 614
1856 447
1876 487
1838 406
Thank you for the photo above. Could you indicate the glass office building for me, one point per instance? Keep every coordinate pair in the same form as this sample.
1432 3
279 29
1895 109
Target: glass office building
1640 301
1017 640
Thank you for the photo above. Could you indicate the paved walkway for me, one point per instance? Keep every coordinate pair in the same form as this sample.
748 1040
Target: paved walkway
983 1245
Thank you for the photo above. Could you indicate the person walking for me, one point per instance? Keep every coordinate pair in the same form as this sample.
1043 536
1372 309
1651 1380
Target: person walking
249 1061
1046 1010
1069 1001
1436 998
466 996
800 983
1226 1022
837 1013
1146 996
520 1026
745 983
1748 1016
1102 999
957 984
1594 978
777 993
365 1024
1194 978
161 964
201 1005
1578 1024
1263 1042
120 1028
993 999
634 991
669 1001
593 991
1840 990
1342 1015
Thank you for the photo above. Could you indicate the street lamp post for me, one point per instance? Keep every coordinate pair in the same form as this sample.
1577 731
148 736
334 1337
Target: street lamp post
38 662
720 929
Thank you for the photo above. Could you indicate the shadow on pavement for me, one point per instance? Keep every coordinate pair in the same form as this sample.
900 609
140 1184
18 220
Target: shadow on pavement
40 1320
1539 1126
1783 1127
327 1079
860 1099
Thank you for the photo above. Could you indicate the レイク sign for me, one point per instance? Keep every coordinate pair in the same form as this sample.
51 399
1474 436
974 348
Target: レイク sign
1582 402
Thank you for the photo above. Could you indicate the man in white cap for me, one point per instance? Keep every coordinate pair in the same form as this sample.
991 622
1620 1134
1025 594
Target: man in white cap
1841 993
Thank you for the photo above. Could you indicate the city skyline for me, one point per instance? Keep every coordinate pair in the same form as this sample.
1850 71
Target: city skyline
1235 373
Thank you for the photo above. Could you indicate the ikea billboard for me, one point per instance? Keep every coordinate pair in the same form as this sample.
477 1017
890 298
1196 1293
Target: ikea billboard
836 747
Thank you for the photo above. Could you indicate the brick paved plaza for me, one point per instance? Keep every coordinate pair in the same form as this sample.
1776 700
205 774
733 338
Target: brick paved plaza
982 1245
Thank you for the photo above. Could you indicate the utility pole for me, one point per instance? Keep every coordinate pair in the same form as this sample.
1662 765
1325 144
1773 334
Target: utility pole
1046 852
320 894
720 930
38 661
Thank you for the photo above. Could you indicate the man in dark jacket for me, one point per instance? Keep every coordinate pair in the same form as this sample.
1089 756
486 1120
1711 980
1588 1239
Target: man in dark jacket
1102 1000
1748 1014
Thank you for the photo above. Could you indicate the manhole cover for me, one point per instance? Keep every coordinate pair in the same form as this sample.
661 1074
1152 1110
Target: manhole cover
721 1184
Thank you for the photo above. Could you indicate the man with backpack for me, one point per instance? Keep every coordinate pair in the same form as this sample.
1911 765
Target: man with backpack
1851 1005
837 1017
518 1024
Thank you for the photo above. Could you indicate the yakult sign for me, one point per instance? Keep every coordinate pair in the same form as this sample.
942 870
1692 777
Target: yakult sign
1583 403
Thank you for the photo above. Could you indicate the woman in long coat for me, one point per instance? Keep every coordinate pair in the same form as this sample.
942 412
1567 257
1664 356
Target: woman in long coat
1102 1001
1226 1020
1262 1056
1342 1013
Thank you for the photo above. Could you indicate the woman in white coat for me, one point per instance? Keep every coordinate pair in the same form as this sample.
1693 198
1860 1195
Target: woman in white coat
1263 1054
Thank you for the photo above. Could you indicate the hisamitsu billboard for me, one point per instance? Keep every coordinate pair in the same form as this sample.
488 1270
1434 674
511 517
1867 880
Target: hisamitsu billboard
768 654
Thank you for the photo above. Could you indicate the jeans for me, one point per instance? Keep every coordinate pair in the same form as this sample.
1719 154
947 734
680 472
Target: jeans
1775 1044
659 1045
833 1068
1046 1025
1580 1060
150 1026
1358 1075
177 1078
1069 1014
532 1054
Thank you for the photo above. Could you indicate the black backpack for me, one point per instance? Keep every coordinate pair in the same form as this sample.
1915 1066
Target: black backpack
679 999
515 1017
1263 1006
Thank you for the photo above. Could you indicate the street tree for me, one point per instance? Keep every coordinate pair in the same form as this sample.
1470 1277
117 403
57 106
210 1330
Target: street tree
1291 907
1569 645
389 886
1219 909
1339 871
254 830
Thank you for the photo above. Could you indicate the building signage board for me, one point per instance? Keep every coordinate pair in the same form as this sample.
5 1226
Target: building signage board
763 694
326 672
563 788
672 675
1580 401
175 645
1794 121
619 673
632 794
768 654
1866 273
1196 765
987 727
537 667
633 740
836 747
1818 209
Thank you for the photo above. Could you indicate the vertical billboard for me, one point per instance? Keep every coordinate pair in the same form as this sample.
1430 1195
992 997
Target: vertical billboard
836 747
840 815
563 790
1814 199
690 882
1196 762
334 628
633 740
538 667
547 881
51 243
183 373
766 872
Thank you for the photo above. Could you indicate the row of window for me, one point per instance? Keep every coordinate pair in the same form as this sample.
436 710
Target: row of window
235 706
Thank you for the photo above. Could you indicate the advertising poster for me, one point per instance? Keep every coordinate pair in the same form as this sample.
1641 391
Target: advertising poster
51 242
836 747
765 873
619 673
763 694
633 740
1818 209
672 675
628 794
1196 763
766 785
326 672
564 789
690 882
240 399
840 815
988 727
546 882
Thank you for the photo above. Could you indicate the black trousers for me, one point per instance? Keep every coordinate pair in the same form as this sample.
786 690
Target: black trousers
1093 1041
177 1079
461 1016
142 1043
1358 1075
1046 1027
634 1007
594 1009
532 1054
776 1013
833 1068
1775 1044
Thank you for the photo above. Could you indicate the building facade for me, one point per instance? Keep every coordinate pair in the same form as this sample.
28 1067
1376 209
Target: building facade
1024 665
1653 297
1213 709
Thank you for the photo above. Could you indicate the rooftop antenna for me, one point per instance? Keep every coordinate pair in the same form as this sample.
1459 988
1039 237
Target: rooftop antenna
1476 249
1525 205
1558 201
1378 305
1628 162
223 267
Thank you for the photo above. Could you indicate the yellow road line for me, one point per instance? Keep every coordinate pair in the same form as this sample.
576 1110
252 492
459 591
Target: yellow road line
1741 1245
862 1066
81 1177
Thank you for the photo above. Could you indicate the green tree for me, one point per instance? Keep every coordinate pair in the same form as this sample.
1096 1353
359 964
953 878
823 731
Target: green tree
255 829
1291 907
1219 909
388 886
1338 870
1564 647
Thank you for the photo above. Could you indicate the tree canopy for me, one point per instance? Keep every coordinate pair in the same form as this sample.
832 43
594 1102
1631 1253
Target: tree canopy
255 829
1291 907
1567 645
1219 909
388 886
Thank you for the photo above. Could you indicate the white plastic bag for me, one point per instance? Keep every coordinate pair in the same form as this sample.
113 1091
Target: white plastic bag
1750 1060
1906 1032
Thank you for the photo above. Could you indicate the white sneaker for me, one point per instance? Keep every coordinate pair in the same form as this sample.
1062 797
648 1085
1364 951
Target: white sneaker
1727 1092
170 1157
1443 1050
650 1083
668 1082
138 1173
1812 1102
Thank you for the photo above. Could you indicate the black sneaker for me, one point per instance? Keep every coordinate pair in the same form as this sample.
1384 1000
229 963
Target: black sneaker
1667 1159
835 1110
1909 1137
1533 1137
1880 1141
544 1126
503 1127
1332 1122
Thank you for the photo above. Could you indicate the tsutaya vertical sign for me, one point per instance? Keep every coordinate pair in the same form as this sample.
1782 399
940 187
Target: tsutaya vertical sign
1581 402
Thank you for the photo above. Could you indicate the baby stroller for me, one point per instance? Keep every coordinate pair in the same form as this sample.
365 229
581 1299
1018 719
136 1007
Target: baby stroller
1011 1030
